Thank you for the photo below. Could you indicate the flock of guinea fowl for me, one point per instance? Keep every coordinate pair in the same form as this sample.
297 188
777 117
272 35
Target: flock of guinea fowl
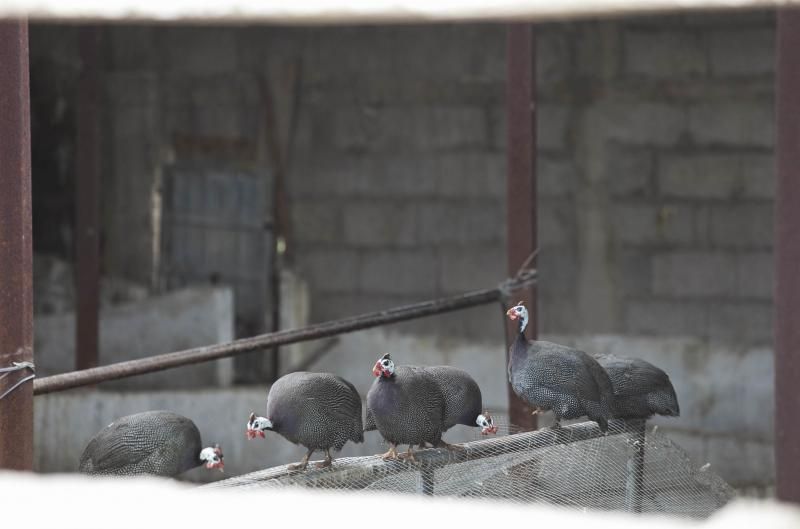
407 405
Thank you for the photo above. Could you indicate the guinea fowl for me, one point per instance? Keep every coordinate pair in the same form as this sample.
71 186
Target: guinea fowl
463 402
319 411
641 389
555 377
406 405
160 443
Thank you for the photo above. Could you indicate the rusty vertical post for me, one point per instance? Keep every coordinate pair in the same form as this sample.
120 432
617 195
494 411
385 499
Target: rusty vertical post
87 204
521 178
16 253
787 259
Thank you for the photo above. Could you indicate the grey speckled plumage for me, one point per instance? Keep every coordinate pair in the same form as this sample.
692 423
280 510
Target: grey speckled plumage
408 407
462 397
317 410
160 443
565 380
641 389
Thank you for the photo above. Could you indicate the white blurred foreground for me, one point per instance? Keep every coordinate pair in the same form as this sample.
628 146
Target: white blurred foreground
72 501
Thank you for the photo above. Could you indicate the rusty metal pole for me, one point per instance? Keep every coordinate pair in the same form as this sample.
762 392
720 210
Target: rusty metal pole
521 179
87 203
787 259
16 253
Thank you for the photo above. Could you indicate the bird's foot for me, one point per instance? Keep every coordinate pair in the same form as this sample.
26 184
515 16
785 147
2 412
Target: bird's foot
297 467
423 445
452 448
391 455
537 411
325 463
409 456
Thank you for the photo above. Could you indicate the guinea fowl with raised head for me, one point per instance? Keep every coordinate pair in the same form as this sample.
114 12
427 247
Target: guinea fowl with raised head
549 376
160 443
463 402
406 405
641 389
319 411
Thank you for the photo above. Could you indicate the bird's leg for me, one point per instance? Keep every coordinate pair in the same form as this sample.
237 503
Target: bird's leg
302 464
451 448
409 455
391 455
328 460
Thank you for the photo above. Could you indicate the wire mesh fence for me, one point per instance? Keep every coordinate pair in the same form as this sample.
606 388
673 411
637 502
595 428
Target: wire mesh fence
577 466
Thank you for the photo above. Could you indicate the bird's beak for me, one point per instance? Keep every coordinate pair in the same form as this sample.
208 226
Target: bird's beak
251 433
377 370
512 315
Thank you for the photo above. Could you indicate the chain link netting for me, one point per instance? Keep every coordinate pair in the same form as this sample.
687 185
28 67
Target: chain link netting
631 468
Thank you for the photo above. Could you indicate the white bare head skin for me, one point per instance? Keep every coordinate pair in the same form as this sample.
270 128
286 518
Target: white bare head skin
256 426
384 367
486 423
212 455
518 312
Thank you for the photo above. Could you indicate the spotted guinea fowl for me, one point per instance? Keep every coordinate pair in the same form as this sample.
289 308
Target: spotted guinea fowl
555 377
319 411
406 405
160 443
463 401
641 389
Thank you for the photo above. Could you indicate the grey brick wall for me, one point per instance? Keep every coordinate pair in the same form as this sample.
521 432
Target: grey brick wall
655 163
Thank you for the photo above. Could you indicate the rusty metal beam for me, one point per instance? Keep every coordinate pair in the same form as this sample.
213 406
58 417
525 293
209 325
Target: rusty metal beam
198 355
87 202
521 179
787 259
16 253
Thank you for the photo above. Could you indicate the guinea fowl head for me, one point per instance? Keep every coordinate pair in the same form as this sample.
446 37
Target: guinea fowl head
486 423
256 426
213 458
384 367
518 312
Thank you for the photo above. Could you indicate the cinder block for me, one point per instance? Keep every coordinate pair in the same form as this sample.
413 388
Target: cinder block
739 124
630 171
471 175
556 177
740 461
742 225
464 222
742 52
379 224
330 270
754 275
399 272
464 269
552 56
717 176
653 223
634 273
316 221
397 176
557 221
551 127
665 54
665 318
693 274
741 323
636 123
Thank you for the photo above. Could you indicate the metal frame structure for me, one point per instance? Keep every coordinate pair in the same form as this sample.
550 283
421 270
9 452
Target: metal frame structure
16 411
16 250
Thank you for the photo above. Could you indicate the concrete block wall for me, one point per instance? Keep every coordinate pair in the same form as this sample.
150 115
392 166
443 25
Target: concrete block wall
655 162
